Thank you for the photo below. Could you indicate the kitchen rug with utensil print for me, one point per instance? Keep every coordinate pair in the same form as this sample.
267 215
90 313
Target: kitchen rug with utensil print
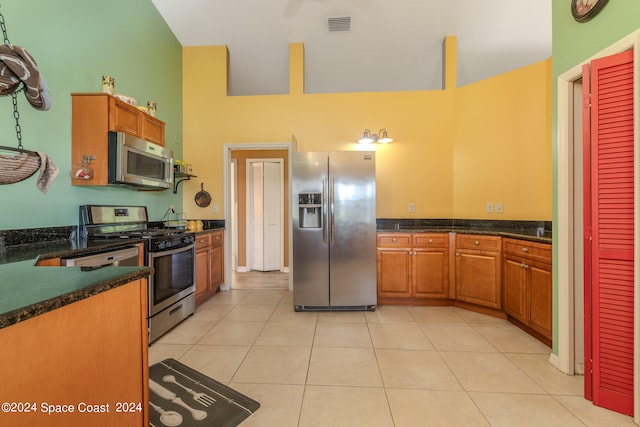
182 396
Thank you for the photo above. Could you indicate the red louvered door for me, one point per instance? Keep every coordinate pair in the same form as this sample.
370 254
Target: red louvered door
609 294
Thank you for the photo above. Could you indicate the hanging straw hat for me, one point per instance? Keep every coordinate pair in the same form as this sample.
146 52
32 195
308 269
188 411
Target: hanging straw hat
18 67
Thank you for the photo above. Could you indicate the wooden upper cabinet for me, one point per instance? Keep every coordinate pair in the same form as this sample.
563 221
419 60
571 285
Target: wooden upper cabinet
153 129
124 118
93 115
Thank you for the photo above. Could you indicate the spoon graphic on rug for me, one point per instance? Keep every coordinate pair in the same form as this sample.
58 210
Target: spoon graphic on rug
168 418
172 397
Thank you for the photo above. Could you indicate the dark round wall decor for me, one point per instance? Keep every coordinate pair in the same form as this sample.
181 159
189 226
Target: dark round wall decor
584 10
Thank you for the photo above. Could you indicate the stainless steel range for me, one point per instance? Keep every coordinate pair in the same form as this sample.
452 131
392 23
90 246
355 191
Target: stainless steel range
170 252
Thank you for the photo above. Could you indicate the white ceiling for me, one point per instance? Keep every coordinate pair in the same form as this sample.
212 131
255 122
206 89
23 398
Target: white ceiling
393 45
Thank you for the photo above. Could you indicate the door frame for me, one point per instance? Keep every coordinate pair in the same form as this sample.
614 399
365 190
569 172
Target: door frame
226 156
563 237
249 203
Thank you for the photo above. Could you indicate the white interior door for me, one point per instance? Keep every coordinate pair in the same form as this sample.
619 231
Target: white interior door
265 214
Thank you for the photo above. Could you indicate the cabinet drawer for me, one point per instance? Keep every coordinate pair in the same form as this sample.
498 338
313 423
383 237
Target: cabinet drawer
203 240
534 250
396 240
216 239
430 240
477 242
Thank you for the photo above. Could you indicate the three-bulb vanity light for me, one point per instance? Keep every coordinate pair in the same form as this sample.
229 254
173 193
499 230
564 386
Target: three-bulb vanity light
381 137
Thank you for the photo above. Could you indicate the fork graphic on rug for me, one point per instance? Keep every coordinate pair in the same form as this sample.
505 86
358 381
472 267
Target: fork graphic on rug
172 397
199 397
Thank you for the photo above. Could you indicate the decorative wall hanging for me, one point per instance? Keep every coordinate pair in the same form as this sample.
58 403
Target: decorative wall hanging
584 10
19 72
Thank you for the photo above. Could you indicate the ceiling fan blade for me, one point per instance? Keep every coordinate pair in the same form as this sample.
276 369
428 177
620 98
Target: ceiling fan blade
292 8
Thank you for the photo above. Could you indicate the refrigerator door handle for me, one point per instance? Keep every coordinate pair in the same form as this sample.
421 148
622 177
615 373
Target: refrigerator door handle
325 231
331 196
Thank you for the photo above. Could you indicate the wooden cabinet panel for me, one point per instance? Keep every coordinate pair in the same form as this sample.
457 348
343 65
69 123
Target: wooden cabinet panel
398 240
478 278
209 264
394 273
203 271
413 265
479 242
540 282
528 279
515 291
153 129
440 240
92 351
124 118
431 273
217 268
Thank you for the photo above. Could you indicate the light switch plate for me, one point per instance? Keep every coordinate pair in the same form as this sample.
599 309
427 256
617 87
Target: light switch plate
489 207
412 207
499 208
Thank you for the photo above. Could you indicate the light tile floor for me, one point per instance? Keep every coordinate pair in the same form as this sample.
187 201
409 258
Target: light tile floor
397 366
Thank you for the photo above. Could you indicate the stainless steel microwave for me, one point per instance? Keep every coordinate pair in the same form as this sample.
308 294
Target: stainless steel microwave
137 163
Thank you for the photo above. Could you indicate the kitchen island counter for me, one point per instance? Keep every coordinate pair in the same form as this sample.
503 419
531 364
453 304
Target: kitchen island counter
28 290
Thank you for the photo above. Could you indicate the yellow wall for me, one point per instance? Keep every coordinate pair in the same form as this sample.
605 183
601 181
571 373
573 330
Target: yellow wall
426 164
502 149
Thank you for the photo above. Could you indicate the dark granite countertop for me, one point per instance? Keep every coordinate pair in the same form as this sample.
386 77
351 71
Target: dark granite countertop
535 231
530 235
27 290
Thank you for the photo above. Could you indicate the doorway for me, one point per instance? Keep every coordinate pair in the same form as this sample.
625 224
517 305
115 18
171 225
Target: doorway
238 271
567 250
265 209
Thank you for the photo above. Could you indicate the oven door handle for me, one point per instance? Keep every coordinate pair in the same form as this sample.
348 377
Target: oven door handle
171 251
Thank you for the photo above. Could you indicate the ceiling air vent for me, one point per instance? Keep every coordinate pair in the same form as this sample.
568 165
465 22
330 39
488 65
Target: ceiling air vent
338 24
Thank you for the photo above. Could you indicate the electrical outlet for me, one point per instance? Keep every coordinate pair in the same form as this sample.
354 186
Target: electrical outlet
412 207
215 208
499 208
489 207
172 208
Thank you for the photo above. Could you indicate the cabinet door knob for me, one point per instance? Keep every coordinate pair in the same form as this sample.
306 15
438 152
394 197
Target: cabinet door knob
477 243
394 240
525 249
430 240
457 254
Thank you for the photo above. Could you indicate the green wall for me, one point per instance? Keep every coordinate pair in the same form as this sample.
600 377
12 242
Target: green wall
573 42
74 43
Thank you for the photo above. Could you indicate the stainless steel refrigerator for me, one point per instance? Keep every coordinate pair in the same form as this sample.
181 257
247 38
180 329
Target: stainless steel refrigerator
334 230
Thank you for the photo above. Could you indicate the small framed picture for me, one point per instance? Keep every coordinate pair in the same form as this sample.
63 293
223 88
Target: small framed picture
584 10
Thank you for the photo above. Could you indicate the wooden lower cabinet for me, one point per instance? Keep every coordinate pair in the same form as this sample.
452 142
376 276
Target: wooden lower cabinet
412 266
85 355
209 264
527 268
478 270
